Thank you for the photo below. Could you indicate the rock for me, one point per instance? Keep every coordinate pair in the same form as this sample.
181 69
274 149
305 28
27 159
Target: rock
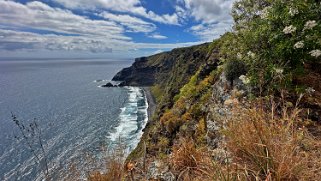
122 84
159 171
108 85
230 102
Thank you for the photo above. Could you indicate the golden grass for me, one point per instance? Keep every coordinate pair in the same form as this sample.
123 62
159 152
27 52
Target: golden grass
115 172
190 162
115 168
270 146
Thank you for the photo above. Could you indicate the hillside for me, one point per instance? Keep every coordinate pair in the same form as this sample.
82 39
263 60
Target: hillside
167 72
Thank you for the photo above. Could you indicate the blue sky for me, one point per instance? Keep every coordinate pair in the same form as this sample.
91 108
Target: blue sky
108 28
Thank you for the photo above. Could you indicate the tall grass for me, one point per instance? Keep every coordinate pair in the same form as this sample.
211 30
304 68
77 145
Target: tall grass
190 162
115 168
272 144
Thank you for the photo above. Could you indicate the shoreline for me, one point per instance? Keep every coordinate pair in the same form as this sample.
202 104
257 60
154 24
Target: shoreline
151 102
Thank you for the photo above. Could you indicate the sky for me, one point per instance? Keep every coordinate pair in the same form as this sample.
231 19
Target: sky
108 28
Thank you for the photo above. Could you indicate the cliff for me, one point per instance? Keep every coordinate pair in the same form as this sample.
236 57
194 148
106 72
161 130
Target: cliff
169 71
147 71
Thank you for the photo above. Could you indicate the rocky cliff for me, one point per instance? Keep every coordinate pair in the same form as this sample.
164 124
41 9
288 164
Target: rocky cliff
168 72
147 71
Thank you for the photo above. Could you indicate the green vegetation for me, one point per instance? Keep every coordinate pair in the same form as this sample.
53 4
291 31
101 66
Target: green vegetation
234 69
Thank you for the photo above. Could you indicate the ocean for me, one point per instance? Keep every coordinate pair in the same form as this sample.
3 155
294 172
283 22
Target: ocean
77 117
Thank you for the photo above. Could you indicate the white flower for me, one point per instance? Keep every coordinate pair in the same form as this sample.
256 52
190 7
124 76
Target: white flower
315 53
310 24
251 54
289 29
299 44
265 12
309 90
278 70
293 11
244 79
239 56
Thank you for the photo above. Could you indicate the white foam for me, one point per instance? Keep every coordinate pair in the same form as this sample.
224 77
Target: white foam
129 130
100 80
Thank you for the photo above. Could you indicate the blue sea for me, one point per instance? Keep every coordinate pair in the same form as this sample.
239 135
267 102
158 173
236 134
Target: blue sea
77 117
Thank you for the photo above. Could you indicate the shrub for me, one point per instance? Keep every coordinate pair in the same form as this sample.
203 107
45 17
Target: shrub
157 92
163 143
171 121
234 69
275 38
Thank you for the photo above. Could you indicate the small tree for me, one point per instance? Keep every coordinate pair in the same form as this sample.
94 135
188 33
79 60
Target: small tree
234 69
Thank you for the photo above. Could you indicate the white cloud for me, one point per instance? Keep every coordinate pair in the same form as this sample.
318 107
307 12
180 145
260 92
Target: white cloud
16 40
158 51
133 24
213 16
209 11
208 32
157 36
38 15
125 6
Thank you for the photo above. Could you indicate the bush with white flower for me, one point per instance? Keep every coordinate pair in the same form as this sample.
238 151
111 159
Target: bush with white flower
273 34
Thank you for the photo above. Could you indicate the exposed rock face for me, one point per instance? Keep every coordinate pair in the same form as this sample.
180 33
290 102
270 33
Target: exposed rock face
139 74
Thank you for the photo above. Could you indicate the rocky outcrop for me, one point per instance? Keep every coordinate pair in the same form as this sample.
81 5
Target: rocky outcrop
139 74
108 85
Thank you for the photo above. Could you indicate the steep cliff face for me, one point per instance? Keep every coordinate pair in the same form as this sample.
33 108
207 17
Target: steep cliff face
162 68
168 72
141 73
147 71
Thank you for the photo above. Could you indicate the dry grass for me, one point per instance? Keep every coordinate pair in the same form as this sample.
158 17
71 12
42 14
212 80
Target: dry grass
115 169
115 172
267 145
190 162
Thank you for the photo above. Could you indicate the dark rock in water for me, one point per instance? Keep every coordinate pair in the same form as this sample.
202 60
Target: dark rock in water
108 85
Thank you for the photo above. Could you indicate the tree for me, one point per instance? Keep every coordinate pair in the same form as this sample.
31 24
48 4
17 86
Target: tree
234 69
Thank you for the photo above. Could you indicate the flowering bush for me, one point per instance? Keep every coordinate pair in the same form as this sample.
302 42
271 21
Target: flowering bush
275 35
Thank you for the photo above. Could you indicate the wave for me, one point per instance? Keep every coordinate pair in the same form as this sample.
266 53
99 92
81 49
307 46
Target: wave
100 80
132 119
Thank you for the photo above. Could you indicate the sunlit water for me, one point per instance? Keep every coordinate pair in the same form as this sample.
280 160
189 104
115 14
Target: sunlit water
76 116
